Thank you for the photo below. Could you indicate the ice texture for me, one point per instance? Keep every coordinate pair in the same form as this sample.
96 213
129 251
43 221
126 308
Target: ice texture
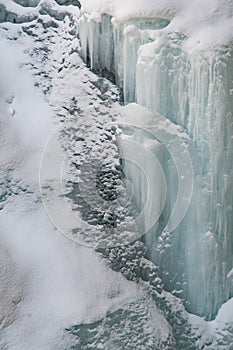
199 99
112 49
180 70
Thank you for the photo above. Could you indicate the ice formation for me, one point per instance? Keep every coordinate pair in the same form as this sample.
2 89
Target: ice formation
55 293
164 56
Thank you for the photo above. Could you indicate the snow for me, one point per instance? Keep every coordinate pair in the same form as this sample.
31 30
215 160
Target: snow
65 284
13 7
136 115
230 273
225 314
47 282
123 10
24 11
211 16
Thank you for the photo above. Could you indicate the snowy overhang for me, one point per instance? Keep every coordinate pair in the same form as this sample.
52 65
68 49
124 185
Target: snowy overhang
206 23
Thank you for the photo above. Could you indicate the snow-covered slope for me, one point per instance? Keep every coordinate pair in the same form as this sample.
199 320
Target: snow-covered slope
47 282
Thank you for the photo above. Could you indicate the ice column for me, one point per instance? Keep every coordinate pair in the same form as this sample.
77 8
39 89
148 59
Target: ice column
112 48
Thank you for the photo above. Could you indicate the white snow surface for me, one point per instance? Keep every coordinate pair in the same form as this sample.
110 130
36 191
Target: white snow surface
47 282
139 116
207 22
31 9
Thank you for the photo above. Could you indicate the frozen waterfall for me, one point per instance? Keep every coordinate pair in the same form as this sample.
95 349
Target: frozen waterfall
190 85
112 49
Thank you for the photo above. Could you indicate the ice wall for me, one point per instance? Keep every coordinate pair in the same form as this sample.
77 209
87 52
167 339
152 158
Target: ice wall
194 89
111 49
184 74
